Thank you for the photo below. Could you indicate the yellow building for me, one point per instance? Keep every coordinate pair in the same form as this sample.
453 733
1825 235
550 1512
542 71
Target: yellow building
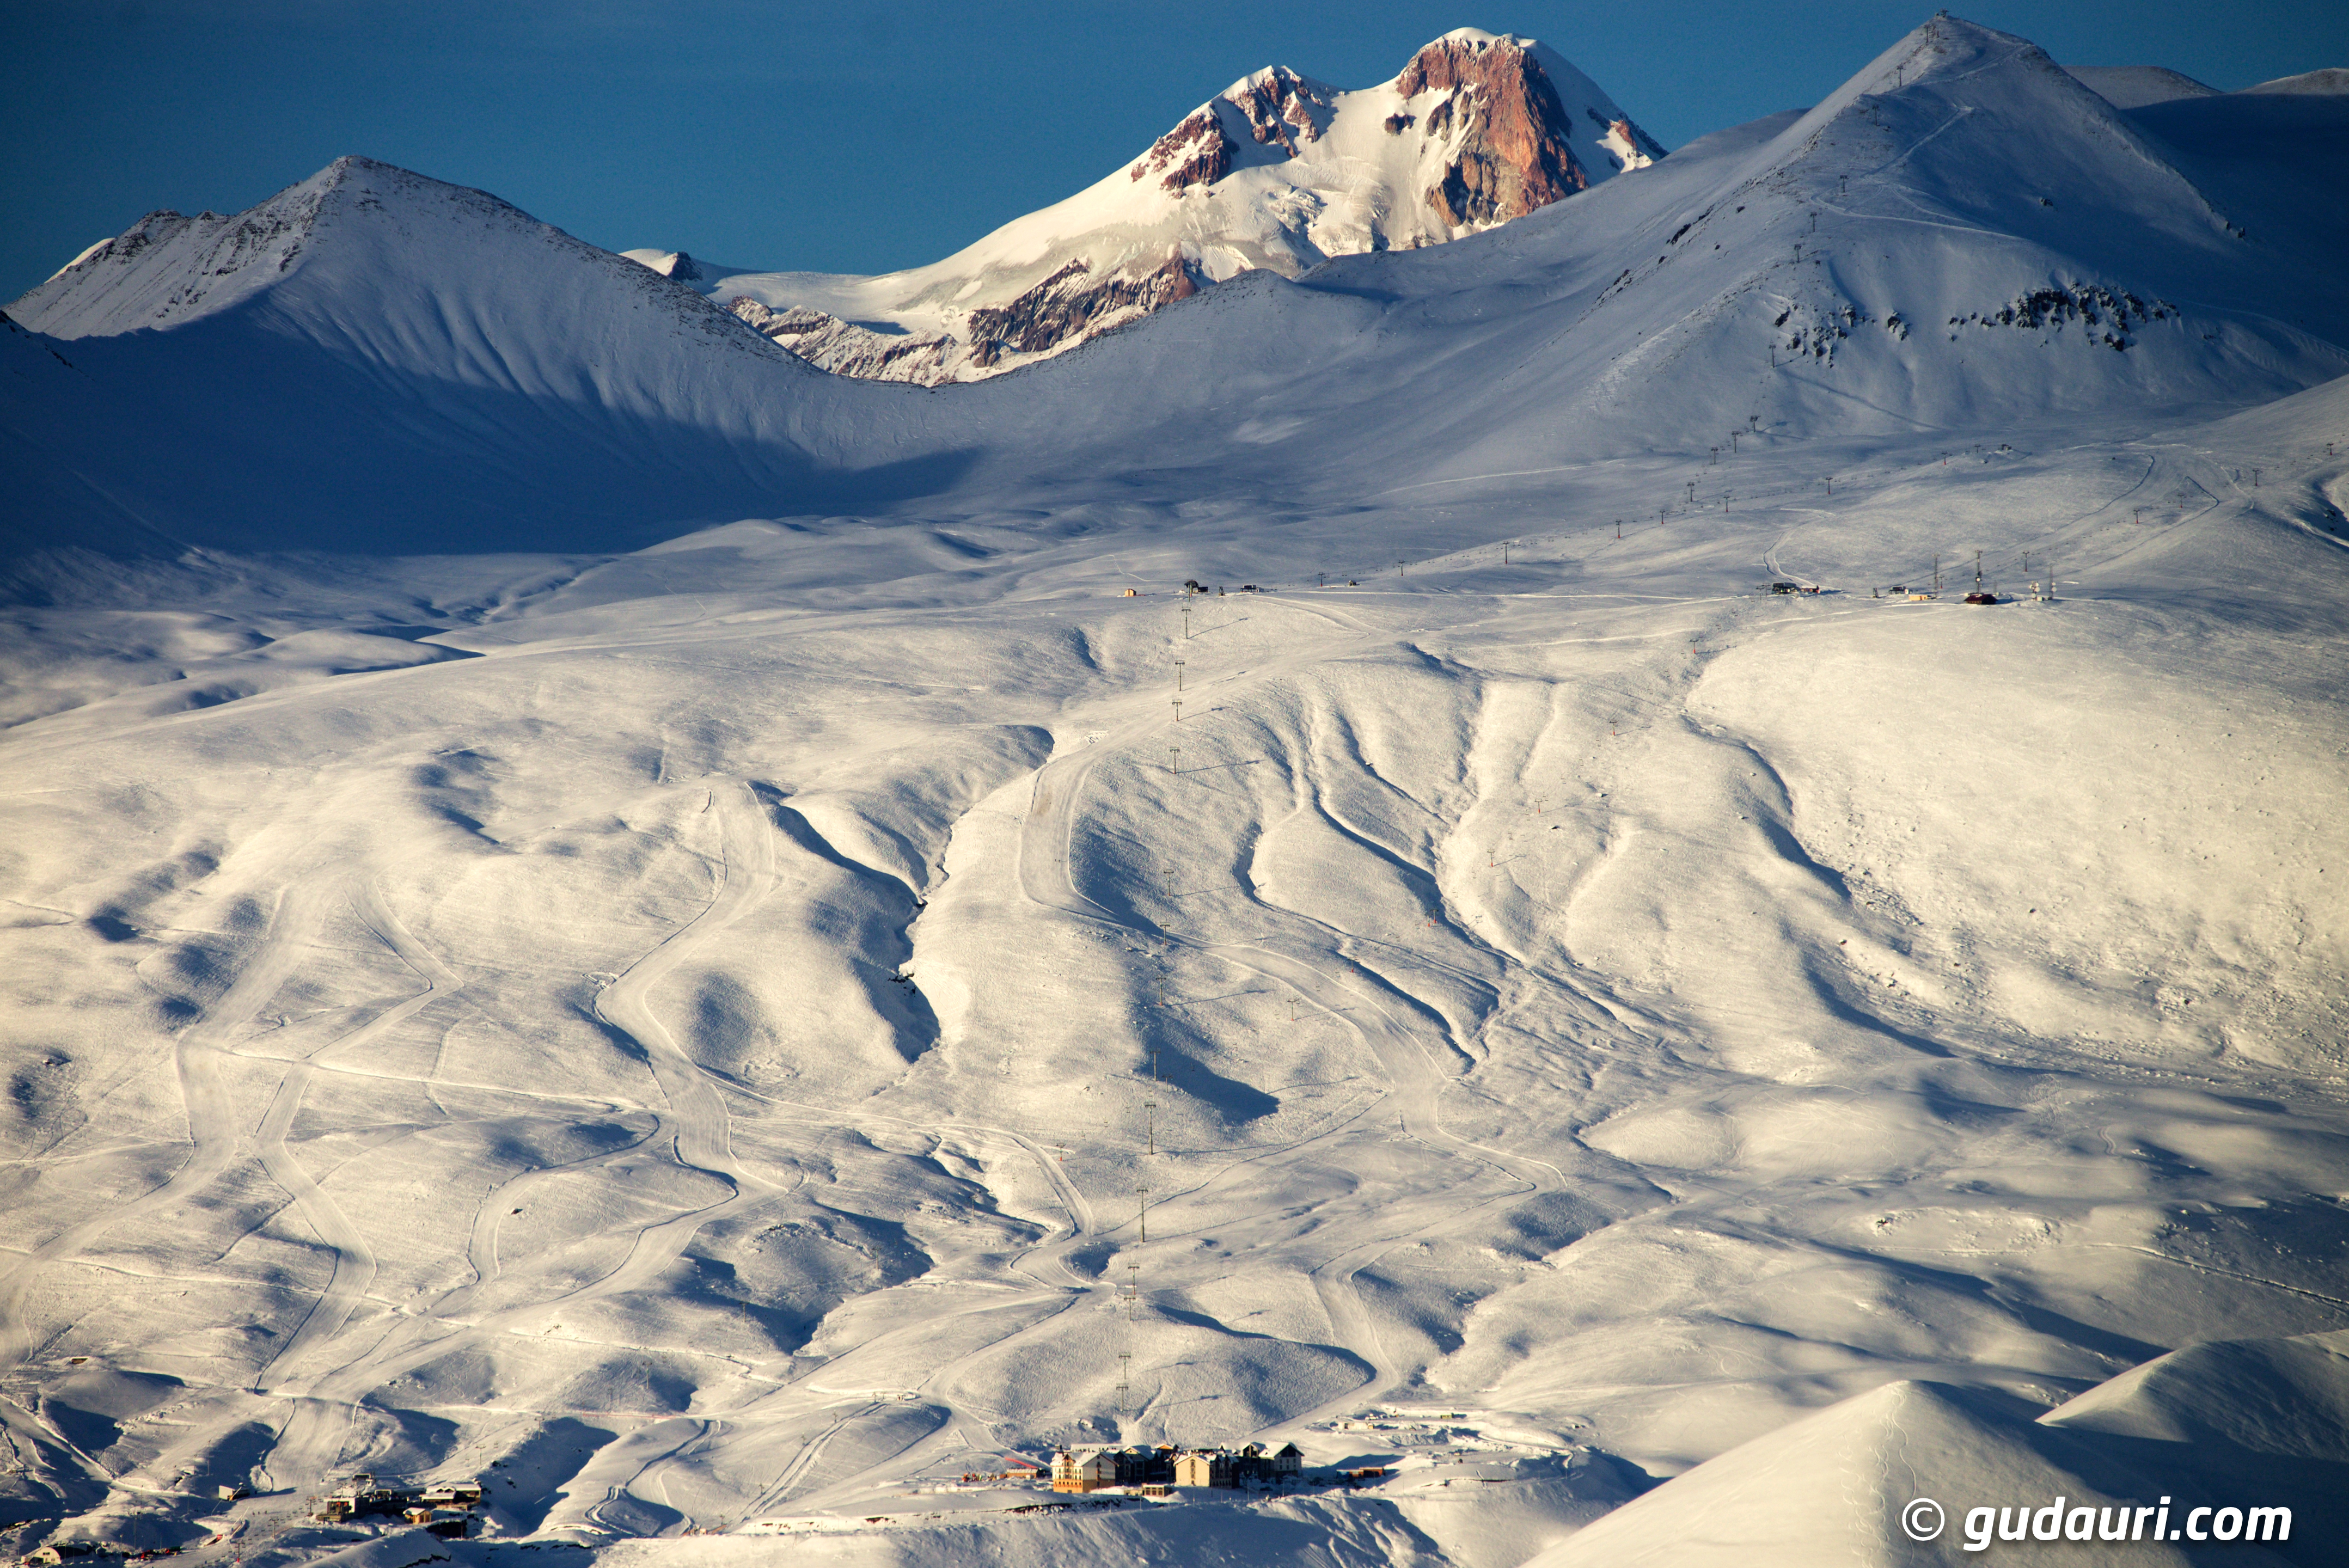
1085 1470
1207 1467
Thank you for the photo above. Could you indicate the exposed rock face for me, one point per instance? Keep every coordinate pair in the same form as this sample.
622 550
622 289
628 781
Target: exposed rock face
1195 152
1067 305
1277 103
1515 153
845 348
1275 108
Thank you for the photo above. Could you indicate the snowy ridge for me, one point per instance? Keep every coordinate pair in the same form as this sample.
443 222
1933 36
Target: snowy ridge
382 228
2134 87
437 328
2330 81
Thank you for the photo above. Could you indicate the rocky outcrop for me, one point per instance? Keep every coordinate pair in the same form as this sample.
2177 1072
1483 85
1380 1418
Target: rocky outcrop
845 348
1275 108
1067 307
1070 304
1512 134
1282 107
1195 152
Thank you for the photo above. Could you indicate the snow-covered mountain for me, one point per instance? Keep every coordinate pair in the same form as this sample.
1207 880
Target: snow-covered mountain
372 354
1961 237
1277 173
727 952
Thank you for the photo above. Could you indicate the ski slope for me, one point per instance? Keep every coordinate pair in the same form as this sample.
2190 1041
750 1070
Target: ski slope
722 993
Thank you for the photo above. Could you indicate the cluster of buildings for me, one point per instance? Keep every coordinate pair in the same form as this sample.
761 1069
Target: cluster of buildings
1156 1471
57 1552
446 1509
1012 1468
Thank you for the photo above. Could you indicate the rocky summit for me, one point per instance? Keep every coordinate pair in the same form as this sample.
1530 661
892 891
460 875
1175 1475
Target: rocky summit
1277 173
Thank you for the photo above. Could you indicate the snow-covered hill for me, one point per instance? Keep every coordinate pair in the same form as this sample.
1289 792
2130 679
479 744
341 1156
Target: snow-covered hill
1278 171
374 359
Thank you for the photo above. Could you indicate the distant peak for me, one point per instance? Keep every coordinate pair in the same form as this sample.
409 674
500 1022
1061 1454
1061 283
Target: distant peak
1478 38
2134 87
675 264
2329 79
1276 77
1274 106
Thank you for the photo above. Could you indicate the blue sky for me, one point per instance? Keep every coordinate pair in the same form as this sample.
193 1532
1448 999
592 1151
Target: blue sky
859 137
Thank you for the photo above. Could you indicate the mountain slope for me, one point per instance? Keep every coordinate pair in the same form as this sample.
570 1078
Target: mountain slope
1960 238
371 355
1277 173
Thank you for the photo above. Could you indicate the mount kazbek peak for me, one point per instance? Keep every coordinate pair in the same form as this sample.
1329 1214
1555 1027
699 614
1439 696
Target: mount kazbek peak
1278 171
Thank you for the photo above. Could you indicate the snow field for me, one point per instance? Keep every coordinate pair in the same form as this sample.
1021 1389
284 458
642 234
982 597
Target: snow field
1583 991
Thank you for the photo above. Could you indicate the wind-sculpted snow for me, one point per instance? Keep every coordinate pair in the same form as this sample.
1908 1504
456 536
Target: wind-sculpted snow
689 1059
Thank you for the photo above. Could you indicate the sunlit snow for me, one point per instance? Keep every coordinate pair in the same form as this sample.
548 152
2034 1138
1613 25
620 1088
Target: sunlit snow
721 948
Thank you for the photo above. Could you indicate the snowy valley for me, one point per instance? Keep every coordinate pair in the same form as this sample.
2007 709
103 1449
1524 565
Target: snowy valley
1415 850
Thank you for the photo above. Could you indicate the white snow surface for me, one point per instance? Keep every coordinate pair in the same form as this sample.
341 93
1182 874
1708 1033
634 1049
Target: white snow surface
587 905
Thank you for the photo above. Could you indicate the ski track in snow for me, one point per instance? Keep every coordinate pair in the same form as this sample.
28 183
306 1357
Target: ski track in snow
883 1406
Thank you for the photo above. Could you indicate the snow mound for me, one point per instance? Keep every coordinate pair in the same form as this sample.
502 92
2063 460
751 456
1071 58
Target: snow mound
2286 1397
2214 1426
668 263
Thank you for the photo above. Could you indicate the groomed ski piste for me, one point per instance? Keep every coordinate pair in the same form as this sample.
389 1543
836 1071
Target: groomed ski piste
723 1030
